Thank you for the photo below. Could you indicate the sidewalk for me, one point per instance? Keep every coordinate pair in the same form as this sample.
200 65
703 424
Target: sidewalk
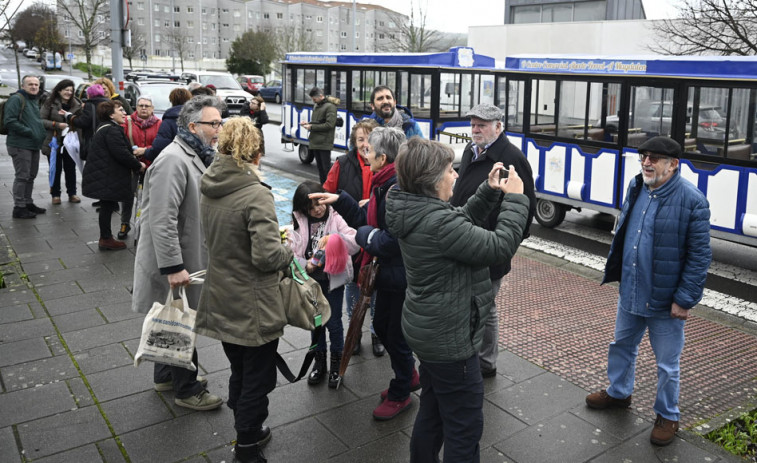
70 392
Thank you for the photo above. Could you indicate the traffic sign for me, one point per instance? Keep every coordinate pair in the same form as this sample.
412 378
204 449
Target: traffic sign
70 56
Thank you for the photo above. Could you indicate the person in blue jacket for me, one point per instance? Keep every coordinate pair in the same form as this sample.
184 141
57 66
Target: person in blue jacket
168 128
660 256
388 114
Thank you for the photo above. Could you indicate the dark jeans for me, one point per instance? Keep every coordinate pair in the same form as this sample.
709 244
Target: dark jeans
334 325
253 376
387 322
185 382
67 165
26 166
128 206
107 208
323 161
450 413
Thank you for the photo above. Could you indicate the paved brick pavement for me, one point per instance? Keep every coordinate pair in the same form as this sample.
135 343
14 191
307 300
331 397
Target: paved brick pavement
69 392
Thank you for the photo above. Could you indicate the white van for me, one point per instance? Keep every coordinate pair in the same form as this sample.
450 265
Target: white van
51 60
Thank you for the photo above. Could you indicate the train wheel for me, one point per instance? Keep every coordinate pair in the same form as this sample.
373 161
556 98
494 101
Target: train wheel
304 154
549 214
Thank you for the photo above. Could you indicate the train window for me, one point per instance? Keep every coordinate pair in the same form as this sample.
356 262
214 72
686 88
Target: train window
717 122
543 95
339 87
581 107
320 79
360 98
449 95
651 114
363 83
420 99
572 117
286 84
299 92
485 89
403 88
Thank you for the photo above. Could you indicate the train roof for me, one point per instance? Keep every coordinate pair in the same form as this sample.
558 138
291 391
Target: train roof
458 57
702 67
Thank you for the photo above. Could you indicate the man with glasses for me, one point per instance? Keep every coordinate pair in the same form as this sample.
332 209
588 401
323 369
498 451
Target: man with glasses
141 129
660 255
171 242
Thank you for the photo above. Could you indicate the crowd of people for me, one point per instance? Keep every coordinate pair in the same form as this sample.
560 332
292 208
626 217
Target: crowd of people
443 240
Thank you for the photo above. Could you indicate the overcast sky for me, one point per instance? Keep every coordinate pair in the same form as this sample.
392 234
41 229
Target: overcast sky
449 16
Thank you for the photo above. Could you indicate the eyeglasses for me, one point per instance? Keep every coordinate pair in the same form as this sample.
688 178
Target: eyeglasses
144 106
653 158
214 124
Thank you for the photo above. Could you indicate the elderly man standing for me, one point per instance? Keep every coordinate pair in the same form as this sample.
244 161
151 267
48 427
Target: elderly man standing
322 127
490 145
388 114
171 242
141 129
25 136
660 255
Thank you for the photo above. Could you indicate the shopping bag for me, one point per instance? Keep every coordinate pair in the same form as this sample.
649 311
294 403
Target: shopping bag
71 143
168 335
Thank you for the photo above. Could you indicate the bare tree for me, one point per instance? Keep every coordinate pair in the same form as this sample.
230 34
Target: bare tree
91 18
29 22
722 27
7 33
177 39
293 39
138 43
410 34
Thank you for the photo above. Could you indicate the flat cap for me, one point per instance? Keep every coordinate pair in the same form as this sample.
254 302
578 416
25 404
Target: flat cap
485 112
661 145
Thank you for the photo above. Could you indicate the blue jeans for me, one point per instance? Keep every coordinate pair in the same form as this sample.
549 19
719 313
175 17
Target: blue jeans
667 338
352 295
450 413
334 325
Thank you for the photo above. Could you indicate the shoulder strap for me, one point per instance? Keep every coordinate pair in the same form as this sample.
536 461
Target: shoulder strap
130 129
281 364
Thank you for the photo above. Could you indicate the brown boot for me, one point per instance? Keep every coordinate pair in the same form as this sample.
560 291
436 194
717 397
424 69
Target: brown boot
109 244
601 400
664 431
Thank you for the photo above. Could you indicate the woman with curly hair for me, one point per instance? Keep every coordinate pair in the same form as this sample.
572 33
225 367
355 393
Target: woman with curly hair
240 304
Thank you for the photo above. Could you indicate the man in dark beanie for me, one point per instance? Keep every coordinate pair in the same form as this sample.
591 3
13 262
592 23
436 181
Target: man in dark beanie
660 256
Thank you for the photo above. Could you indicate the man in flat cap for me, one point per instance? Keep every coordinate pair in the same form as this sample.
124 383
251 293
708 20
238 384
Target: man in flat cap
489 145
660 255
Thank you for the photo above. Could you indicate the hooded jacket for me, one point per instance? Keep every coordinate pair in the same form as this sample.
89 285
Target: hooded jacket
447 256
323 124
25 129
240 301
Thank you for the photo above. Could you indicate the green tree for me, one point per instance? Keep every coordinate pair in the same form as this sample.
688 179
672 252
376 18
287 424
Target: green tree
29 22
252 53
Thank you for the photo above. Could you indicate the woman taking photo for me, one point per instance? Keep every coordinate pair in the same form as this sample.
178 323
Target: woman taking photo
256 111
449 295
110 167
61 98
240 304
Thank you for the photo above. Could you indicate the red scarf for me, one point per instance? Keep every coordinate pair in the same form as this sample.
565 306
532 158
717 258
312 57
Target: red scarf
371 218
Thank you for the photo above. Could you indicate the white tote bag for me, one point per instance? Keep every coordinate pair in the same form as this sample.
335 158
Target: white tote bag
71 143
168 334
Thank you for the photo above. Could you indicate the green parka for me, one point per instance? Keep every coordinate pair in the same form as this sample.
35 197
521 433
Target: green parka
323 124
240 301
447 254
26 132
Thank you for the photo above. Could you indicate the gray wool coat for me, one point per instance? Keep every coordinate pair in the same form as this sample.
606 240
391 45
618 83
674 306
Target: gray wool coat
170 234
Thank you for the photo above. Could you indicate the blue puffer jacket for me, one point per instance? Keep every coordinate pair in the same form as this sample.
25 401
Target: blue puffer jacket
681 254
409 126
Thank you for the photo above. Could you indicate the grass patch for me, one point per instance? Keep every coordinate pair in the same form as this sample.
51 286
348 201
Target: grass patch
97 70
739 437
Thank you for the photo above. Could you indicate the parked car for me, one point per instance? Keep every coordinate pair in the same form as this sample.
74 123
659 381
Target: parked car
47 83
31 54
227 87
271 91
251 84
157 89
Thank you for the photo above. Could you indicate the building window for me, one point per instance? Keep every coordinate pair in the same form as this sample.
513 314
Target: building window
190 9
157 39
65 33
594 10
266 16
225 10
279 15
319 19
381 36
177 9
204 40
166 9
343 35
226 26
236 27
204 10
308 18
237 14
381 23
225 39
156 7
141 21
319 33
204 26
177 24
342 47
140 5
189 40
166 23
190 24
81 34
357 35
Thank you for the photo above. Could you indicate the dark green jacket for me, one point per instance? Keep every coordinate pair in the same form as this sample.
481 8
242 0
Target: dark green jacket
447 254
28 132
323 125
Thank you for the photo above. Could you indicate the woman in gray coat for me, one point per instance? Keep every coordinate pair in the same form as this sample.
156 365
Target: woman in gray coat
447 253
240 303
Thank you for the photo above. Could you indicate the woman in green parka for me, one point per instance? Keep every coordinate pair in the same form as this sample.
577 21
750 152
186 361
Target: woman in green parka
447 254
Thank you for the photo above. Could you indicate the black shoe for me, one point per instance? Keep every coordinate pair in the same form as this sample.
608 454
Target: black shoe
263 437
378 347
36 209
336 360
125 229
23 213
488 372
249 454
319 369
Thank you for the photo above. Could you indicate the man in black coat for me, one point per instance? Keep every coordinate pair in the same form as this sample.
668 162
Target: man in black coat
489 145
